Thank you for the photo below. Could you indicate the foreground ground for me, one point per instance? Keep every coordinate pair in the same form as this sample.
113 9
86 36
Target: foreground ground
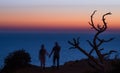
69 67
80 66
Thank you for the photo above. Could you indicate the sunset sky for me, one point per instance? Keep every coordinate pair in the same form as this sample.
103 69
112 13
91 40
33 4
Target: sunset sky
56 14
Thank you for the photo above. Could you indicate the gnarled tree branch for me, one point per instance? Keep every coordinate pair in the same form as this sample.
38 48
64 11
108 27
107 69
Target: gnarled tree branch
96 43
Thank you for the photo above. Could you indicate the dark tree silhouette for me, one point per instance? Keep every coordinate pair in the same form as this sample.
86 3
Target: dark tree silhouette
95 44
16 60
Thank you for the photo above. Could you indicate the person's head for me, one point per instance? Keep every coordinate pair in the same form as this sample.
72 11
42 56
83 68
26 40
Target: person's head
56 43
42 46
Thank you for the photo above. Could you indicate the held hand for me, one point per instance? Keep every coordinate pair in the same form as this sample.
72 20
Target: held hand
49 56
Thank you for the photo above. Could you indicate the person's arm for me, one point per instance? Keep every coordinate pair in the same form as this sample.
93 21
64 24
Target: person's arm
51 52
47 53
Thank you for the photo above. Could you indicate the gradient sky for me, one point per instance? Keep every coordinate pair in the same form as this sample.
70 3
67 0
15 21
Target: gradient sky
56 14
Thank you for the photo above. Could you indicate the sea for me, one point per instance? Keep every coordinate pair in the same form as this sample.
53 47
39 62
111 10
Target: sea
31 42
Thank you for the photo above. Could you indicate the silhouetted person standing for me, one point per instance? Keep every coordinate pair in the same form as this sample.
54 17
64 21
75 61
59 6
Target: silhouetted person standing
42 56
56 54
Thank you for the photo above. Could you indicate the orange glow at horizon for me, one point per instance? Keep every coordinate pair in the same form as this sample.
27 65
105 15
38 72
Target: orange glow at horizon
55 17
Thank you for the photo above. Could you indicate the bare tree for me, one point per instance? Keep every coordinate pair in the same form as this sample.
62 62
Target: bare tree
95 43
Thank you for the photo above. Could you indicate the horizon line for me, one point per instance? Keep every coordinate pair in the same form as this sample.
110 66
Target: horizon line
54 30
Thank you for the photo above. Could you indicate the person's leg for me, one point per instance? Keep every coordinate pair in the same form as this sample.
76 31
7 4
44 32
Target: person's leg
54 61
41 60
41 63
44 62
57 62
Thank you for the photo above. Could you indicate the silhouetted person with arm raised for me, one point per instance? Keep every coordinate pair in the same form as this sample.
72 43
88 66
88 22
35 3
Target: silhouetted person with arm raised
56 54
42 56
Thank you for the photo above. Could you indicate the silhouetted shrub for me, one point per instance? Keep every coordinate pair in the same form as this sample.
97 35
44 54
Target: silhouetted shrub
17 58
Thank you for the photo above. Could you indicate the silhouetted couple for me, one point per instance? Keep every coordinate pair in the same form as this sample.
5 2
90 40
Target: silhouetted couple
56 55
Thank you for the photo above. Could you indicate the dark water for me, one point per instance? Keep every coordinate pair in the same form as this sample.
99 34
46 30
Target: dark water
31 42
